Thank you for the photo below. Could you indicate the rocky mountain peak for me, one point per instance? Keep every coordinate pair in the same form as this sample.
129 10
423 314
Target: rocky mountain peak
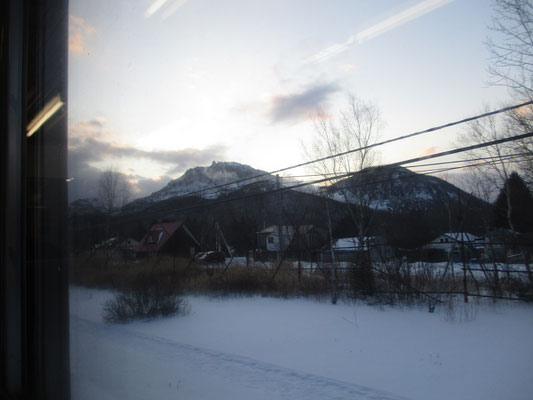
209 181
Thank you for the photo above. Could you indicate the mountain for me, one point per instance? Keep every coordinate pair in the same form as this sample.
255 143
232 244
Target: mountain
386 190
210 182
407 208
399 190
88 206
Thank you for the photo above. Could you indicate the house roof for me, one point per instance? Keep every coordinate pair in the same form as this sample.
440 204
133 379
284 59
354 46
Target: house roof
456 236
352 243
158 235
285 230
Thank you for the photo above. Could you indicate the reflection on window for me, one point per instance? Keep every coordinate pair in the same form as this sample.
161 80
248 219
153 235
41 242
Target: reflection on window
195 125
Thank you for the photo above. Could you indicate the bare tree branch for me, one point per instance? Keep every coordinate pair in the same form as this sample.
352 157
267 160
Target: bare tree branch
113 189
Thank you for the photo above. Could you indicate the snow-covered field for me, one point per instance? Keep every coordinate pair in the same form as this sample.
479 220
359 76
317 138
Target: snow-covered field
265 348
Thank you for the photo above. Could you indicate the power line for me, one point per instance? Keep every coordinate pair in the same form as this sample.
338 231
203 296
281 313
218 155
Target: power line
350 174
429 172
468 163
388 141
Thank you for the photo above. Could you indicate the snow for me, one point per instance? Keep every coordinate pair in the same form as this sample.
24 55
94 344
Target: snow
424 195
382 205
266 348
352 243
211 182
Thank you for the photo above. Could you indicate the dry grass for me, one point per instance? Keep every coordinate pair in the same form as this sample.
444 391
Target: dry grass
386 283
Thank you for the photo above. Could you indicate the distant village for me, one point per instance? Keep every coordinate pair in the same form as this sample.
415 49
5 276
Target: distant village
310 243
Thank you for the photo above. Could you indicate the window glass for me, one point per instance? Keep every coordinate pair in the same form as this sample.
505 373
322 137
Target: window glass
196 127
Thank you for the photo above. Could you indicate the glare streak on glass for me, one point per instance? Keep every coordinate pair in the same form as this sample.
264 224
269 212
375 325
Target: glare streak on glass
44 115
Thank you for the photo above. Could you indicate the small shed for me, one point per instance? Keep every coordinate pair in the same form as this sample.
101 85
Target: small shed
292 238
172 238
347 248
453 242
270 239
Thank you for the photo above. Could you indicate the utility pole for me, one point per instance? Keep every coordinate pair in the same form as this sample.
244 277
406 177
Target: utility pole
280 233
217 239
333 267
463 259
463 256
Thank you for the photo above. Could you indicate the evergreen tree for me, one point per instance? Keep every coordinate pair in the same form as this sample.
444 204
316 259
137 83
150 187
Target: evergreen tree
514 206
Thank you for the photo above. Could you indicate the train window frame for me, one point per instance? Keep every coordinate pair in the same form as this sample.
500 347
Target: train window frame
34 338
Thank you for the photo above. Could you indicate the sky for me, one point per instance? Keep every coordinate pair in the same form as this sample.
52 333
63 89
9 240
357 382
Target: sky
160 86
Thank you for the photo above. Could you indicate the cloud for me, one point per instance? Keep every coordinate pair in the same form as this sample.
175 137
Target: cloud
428 151
347 67
419 9
88 146
85 179
142 187
78 31
86 129
300 105
98 150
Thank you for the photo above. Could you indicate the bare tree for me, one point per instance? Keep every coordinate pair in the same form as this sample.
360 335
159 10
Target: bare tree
493 163
358 126
511 65
521 121
113 190
511 46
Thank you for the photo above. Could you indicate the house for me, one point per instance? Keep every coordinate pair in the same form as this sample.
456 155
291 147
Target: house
501 244
107 244
346 249
269 239
128 245
116 243
172 238
300 239
454 243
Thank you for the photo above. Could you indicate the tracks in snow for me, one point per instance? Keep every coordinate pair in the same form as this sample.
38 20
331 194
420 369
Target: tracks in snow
191 371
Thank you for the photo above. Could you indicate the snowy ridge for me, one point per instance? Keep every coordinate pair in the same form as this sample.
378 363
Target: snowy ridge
200 180
218 179
397 189
389 189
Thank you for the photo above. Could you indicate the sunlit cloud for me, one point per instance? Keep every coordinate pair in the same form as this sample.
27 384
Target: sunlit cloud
427 151
398 19
87 129
178 160
145 186
89 157
300 105
78 31
347 67
92 149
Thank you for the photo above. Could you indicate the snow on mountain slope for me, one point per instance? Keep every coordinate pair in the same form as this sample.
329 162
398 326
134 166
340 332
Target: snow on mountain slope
394 189
200 181
400 189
